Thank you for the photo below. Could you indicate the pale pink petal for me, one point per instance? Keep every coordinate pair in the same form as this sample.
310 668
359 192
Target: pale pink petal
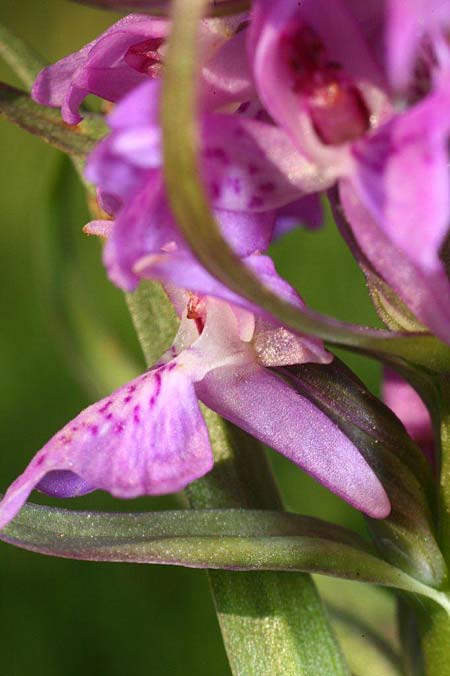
260 402
147 438
409 407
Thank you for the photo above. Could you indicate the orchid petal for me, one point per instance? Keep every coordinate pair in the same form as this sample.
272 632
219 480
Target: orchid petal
425 293
249 165
90 70
64 484
393 166
227 77
409 407
344 43
143 225
261 403
407 24
147 438
306 211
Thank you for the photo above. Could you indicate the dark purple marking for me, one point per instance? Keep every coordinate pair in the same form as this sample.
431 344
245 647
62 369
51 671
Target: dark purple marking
215 190
118 428
131 388
218 154
235 184
109 416
105 406
255 202
244 107
93 430
252 169
127 399
267 187
41 460
154 396
136 416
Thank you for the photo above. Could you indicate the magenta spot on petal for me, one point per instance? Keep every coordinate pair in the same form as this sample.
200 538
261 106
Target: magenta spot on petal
218 154
154 396
93 430
127 399
40 460
215 190
118 428
255 202
235 184
136 416
109 416
105 406
131 388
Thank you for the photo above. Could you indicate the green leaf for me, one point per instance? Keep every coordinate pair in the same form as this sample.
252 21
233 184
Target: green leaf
163 7
46 123
242 540
190 205
364 618
21 58
406 538
154 319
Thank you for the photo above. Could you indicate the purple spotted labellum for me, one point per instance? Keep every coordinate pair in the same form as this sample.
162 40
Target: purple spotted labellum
149 436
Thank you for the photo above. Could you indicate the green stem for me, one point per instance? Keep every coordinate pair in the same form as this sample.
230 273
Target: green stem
272 623
435 630
444 483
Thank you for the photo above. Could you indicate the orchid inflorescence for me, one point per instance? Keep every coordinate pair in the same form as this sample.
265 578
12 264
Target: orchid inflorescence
296 104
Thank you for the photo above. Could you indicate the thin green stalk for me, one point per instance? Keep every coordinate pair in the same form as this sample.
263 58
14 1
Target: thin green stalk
434 623
444 483
272 623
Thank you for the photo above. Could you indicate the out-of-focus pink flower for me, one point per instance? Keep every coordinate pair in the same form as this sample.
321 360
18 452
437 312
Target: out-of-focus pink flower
416 40
409 407
131 52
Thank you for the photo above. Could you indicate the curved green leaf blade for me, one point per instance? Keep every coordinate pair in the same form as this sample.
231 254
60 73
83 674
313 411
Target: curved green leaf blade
46 123
194 216
21 58
242 540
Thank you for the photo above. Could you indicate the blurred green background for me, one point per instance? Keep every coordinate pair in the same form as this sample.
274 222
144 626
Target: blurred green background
67 617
